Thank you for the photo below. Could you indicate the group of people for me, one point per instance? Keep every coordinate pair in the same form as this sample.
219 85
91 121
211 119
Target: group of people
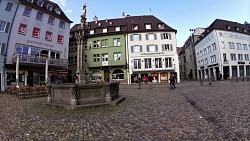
148 81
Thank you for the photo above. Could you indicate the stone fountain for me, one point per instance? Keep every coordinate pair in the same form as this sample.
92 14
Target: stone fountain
80 94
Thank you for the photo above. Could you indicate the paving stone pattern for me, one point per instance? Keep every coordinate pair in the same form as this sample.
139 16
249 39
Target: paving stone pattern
190 112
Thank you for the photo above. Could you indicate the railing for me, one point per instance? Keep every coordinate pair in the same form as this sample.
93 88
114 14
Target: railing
27 58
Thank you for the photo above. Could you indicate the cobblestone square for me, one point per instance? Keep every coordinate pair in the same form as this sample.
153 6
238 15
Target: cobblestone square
220 111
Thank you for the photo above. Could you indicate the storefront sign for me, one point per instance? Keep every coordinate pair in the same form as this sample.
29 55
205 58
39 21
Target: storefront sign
37 43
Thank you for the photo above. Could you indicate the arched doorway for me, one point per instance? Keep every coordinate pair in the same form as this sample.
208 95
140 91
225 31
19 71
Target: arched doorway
118 74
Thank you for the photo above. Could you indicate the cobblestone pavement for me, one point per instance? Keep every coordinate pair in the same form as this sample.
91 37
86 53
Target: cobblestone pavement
190 112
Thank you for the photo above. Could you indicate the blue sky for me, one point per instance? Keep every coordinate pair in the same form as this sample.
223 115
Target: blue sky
181 15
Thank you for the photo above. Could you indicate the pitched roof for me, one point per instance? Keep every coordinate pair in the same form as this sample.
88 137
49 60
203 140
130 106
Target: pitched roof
126 24
227 26
44 9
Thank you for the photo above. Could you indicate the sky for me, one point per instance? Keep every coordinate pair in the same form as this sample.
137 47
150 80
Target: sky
181 15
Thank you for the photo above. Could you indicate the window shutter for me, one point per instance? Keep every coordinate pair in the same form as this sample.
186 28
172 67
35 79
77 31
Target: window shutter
155 36
132 48
7 27
140 48
139 37
171 47
162 36
131 37
147 48
146 36
169 36
156 47
3 49
163 48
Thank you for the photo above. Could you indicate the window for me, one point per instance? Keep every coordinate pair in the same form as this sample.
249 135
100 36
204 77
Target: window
117 29
167 47
96 44
151 36
238 46
49 7
231 45
246 57
36 32
117 42
39 16
135 27
85 58
161 26
233 56
96 57
35 51
51 20
212 58
245 46
118 74
2 25
9 6
30 1
58 11
71 61
27 11
205 51
117 56
223 45
228 27
40 3
2 48
158 63
104 43
214 46
152 48
20 49
136 48
48 36
147 62
166 36
22 29
209 49
60 39
105 30
240 57
61 24
135 37
92 32
148 26
137 63
225 57
168 62
105 57
206 61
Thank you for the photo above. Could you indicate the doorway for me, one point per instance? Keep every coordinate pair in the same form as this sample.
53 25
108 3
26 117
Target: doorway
106 75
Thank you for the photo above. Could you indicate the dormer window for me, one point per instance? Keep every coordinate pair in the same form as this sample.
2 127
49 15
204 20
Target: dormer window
40 3
228 27
237 28
244 30
148 26
105 30
99 24
135 27
92 32
30 1
117 28
161 26
49 7
62 24
110 23
58 11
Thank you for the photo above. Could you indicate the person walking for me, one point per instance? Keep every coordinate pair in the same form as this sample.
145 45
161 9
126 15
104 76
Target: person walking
139 81
172 82
150 79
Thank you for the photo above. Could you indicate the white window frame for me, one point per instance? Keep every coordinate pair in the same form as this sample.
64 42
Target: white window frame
137 63
117 28
148 26
3 25
9 6
117 42
117 56
158 63
148 63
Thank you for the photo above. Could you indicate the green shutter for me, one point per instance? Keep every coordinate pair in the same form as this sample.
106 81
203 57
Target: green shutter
7 27
3 49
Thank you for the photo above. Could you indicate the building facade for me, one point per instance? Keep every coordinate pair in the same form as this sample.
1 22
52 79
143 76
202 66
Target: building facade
187 57
151 49
223 51
8 11
123 49
40 32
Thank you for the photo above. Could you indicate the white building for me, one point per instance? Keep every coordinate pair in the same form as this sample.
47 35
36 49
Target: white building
40 31
223 51
151 49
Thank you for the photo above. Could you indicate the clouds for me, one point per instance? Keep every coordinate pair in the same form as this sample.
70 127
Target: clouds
63 3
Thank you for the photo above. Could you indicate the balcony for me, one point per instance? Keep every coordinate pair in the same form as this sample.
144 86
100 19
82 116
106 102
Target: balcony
34 59
153 68
107 63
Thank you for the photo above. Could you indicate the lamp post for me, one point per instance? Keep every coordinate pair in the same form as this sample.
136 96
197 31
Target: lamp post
80 36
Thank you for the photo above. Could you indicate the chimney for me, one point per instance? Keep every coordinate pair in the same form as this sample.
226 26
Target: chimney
95 19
